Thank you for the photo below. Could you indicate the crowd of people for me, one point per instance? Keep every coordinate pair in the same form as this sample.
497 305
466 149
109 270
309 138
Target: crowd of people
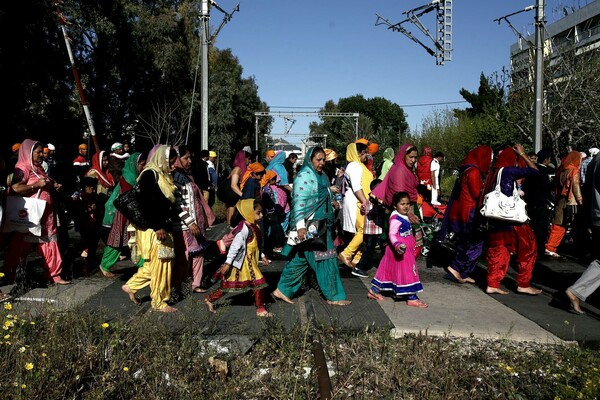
322 216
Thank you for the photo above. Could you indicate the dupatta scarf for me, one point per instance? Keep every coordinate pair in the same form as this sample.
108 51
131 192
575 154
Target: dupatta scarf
276 165
399 178
159 164
105 178
310 194
367 176
129 174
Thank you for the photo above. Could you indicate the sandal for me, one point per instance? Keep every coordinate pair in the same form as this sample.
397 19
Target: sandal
417 303
199 290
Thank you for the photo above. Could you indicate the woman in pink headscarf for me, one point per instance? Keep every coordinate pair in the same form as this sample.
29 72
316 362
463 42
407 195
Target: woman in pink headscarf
400 178
29 178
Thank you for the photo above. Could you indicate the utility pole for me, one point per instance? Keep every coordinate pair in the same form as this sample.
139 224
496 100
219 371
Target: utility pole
204 38
539 74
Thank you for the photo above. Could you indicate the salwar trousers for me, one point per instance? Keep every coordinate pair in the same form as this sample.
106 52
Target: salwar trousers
521 242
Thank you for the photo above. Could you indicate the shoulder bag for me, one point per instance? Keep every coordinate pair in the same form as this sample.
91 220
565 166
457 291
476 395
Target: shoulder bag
24 214
129 205
498 206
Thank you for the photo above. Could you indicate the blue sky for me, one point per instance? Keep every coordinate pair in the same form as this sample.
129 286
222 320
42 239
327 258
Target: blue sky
305 52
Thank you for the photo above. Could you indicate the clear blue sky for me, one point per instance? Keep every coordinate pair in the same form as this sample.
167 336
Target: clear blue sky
303 53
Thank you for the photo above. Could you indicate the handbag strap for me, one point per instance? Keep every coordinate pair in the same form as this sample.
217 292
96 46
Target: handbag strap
498 180
38 193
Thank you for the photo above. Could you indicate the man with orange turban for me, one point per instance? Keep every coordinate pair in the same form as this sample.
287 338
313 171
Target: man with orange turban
250 184
269 155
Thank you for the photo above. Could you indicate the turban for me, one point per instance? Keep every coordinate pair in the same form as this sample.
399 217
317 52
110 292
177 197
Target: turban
83 146
51 147
15 147
363 141
212 154
373 148
593 151
270 153
116 146
330 155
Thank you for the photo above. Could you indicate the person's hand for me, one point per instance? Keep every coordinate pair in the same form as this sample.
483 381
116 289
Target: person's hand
223 269
265 260
336 204
161 234
194 229
414 219
519 149
364 207
57 187
335 189
301 234
401 249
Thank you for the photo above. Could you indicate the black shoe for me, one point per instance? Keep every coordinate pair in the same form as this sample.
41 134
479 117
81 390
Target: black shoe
360 273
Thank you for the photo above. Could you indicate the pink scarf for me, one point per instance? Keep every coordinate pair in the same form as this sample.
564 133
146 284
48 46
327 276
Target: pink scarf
399 179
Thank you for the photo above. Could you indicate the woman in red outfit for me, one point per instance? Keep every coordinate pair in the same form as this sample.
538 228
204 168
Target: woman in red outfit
462 214
508 238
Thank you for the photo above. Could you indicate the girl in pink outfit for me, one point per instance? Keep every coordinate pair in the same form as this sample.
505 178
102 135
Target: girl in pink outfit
397 271
29 178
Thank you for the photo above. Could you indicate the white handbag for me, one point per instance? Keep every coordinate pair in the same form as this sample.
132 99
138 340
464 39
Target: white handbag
24 214
496 205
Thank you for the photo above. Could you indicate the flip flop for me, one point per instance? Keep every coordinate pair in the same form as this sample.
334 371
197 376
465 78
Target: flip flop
417 303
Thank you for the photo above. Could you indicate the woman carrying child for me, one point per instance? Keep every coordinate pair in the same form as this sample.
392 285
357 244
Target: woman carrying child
243 256
397 271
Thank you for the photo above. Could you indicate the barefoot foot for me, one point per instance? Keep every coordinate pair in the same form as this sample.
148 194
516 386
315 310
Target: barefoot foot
339 302
131 294
529 290
199 290
417 303
375 296
107 274
574 302
211 306
278 295
62 282
493 290
456 275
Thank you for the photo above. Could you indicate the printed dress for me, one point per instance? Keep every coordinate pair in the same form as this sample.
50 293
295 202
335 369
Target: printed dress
398 272
249 276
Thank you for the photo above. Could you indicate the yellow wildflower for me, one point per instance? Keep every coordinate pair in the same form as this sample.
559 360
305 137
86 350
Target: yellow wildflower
23 386
32 323
22 350
29 366
8 324
125 369
44 354
7 306
6 336
1 274
509 368
104 325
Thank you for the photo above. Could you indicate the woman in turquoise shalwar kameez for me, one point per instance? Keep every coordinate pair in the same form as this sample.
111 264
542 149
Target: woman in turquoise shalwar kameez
311 197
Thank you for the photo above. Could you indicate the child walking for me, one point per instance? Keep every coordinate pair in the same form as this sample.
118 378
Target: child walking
88 220
397 270
243 256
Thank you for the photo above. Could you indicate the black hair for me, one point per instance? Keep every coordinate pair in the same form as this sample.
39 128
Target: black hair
182 149
532 154
438 154
360 147
316 149
203 153
411 149
88 181
399 196
374 183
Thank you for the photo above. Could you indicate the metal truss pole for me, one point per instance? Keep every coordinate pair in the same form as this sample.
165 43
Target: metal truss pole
539 74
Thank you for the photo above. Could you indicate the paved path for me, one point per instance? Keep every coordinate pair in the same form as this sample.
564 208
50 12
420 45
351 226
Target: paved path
455 310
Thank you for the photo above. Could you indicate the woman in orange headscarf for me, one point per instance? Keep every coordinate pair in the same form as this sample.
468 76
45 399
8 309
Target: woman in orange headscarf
569 197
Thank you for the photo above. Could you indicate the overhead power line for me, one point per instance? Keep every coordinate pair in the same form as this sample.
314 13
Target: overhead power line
401 105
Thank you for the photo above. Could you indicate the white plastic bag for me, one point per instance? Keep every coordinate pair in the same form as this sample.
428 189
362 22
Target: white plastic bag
24 214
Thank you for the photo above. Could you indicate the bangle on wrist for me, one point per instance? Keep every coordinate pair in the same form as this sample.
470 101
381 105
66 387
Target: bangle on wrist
32 187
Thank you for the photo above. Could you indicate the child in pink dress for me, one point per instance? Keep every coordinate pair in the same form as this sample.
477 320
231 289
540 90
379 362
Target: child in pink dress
397 271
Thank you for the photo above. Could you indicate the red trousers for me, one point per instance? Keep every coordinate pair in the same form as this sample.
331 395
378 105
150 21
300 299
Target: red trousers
557 233
521 242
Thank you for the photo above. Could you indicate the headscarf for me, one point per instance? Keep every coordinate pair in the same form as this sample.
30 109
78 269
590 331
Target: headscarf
246 209
399 178
129 173
267 177
254 167
367 176
105 178
310 195
270 153
388 161
480 157
158 162
240 161
571 163
25 160
373 148
178 165
276 165
363 140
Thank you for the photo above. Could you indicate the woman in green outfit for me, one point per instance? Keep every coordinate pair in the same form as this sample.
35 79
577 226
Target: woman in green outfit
118 236
312 201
